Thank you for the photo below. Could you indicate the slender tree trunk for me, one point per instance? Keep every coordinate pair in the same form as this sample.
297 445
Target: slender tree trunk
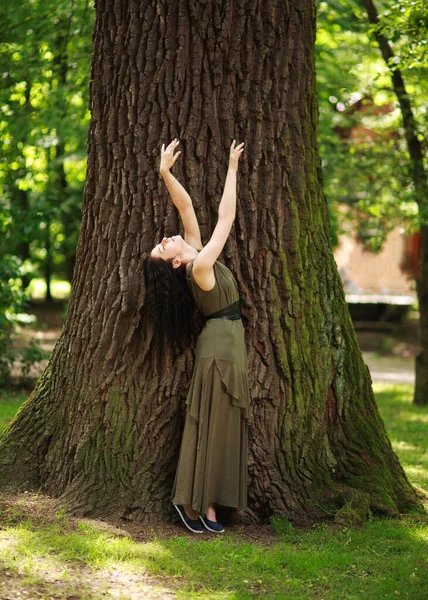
23 202
67 214
420 183
20 197
100 430
47 266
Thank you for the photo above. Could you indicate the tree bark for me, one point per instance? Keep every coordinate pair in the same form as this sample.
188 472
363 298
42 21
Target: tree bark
102 432
420 183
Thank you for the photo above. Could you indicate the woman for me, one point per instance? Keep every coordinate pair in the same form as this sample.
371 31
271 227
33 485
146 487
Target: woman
212 466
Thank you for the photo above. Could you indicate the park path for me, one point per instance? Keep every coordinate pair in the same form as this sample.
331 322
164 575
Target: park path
391 369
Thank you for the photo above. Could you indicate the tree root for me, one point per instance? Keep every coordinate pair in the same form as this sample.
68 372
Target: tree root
354 506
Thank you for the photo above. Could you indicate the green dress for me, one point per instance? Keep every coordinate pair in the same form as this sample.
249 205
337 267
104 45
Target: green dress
212 466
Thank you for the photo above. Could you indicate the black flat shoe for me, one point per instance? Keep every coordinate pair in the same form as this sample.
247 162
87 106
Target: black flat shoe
211 525
192 525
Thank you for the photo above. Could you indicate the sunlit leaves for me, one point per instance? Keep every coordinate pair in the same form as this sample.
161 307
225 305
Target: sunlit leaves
405 23
44 74
362 144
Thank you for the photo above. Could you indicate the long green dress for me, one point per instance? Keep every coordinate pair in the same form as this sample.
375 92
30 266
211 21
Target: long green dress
212 465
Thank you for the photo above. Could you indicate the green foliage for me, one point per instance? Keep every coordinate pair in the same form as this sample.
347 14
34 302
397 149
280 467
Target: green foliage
44 95
362 143
44 61
11 303
405 23
32 354
383 559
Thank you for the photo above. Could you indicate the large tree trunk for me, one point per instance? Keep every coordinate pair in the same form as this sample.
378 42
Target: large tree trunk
100 430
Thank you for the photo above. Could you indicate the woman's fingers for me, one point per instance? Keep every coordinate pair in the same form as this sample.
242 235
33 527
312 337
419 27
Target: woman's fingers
235 154
172 145
170 148
236 151
168 158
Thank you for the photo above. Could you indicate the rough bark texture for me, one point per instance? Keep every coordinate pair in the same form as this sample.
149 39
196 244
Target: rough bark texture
101 431
419 177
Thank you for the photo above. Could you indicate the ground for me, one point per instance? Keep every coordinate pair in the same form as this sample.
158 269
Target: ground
82 581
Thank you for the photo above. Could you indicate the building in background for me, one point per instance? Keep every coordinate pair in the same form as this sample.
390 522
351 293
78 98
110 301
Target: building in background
379 286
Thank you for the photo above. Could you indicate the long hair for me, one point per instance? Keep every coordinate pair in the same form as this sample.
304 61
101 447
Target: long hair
170 310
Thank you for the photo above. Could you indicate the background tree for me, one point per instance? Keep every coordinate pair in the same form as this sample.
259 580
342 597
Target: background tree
381 125
360 130
100 430
417 158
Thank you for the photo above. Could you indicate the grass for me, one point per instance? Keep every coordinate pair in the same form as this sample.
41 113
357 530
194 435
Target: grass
9 404
386 559
407 427
57 556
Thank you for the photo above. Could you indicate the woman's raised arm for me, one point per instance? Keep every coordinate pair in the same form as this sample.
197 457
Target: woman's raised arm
203 264
179 196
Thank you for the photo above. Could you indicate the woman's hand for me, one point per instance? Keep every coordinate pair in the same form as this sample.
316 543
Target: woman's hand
168 157
235 153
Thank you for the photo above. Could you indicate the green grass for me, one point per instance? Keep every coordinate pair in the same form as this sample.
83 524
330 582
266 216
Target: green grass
407 427
384 559
9 404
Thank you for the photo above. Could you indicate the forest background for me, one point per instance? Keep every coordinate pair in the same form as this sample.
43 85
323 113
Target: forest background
44 117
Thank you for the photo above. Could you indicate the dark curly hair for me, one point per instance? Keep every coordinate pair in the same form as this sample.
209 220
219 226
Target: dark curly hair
169 309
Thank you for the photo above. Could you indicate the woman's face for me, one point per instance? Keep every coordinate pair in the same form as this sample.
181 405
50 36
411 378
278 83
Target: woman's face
168 248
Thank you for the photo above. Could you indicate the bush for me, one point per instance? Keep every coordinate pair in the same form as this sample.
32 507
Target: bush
30 355
12 300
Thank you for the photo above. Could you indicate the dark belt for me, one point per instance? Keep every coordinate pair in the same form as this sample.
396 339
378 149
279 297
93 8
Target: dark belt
231 312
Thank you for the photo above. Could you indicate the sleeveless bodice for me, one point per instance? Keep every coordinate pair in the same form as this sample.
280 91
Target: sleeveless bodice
224 292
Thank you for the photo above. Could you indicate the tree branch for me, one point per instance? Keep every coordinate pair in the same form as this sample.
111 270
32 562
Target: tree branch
410 127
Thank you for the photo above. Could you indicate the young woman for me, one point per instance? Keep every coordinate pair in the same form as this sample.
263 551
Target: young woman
212 466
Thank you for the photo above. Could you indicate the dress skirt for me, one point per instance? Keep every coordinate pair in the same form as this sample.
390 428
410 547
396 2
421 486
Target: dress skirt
212 465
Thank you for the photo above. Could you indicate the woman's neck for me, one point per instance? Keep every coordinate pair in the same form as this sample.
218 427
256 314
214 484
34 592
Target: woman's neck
189 255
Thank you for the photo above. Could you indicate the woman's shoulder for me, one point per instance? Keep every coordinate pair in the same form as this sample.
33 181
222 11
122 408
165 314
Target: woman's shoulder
206 282
189 267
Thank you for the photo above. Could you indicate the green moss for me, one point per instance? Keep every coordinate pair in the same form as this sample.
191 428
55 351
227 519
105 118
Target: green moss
285 274
278 331
379 489
349 516
294 354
